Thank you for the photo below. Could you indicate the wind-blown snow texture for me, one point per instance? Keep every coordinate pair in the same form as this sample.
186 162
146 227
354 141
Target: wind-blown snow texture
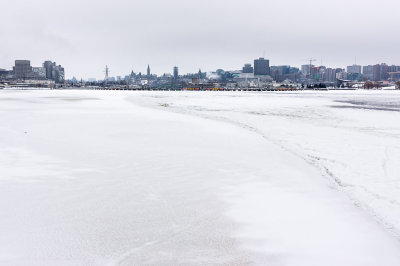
199 178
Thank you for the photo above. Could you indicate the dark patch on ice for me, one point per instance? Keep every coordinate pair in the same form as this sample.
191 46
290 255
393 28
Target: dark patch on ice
204 109
156 96
366 108
71 98
256 113
370 105
80 99
10 99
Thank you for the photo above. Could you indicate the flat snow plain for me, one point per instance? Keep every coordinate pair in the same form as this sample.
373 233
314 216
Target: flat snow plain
199 178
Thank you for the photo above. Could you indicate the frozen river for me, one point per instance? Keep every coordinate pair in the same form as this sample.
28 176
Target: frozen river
199 178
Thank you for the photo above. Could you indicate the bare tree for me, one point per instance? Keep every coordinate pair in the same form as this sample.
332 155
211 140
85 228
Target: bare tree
372 85
377 85
368 85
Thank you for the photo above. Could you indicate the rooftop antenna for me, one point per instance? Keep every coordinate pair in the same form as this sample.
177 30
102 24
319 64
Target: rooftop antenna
106 71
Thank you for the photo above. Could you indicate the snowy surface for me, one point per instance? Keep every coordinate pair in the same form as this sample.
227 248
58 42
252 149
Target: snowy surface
199 178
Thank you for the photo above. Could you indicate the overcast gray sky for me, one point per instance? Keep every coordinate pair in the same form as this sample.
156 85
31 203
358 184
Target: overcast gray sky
85 35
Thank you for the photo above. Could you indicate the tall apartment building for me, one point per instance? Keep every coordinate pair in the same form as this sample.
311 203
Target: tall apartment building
376 74
354 69
384 73
330 75
368 72
305 70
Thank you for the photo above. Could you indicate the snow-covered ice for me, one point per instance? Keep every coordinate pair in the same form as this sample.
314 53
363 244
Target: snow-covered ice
199 178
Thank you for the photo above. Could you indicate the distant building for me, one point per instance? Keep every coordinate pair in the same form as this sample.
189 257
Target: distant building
356 69
368 72
280 73
394 72
376 72
330 75
54 72
176 72
3 72
39 72
393 68
48 66
60 75
305 70
247 69
148 70
354 76
384 72
317 73
6 74
395 76
261 66
23 69
200 74
341 74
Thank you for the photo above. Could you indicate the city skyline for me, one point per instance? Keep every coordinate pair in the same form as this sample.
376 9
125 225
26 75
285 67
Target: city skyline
128 35
144 72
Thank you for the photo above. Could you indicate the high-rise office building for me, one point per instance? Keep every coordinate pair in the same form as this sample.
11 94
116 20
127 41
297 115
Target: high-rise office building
176 72
148 71
261 66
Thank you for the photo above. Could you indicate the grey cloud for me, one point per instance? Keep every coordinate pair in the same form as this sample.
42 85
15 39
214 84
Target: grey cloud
85 35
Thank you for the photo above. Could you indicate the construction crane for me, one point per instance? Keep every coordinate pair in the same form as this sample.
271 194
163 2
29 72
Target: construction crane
311 60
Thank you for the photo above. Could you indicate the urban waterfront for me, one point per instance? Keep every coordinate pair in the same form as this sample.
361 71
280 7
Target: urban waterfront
199 133
261 76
